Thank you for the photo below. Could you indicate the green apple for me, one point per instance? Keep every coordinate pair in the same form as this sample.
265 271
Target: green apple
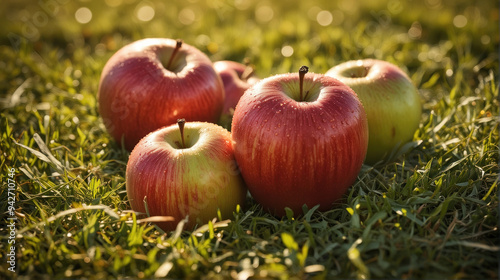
391 101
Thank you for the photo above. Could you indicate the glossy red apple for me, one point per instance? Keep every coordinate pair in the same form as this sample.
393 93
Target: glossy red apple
186 170
299 139
390 99
151 83
237 78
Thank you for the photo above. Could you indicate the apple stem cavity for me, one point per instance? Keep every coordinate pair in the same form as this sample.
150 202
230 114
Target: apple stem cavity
302 72
180 123
359 72
178 45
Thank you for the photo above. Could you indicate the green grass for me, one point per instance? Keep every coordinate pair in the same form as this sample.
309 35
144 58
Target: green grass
431 212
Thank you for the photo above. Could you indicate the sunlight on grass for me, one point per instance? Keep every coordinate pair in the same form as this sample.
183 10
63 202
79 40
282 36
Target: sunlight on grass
431 211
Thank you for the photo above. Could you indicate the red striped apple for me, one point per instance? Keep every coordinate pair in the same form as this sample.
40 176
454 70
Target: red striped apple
299 139
185 170
390 99
151 83
237 78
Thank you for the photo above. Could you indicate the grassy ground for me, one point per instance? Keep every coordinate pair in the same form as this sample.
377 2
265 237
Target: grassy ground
431 212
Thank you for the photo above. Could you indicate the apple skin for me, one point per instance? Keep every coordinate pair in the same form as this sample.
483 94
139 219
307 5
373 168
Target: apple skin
194 181
391 101
231 73
292 153
138 94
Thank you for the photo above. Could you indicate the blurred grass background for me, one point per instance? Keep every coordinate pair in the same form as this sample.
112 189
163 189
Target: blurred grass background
430 213
395 30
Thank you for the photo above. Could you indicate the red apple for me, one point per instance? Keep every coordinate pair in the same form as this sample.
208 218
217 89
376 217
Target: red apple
237 78
184 171
151 83
299 139
390 99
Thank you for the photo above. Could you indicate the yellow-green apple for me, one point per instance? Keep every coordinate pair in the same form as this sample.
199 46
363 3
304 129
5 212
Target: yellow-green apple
185 170
151 83
237 78
390 99
299 139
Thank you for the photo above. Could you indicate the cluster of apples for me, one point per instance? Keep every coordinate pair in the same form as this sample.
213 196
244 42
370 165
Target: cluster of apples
296 139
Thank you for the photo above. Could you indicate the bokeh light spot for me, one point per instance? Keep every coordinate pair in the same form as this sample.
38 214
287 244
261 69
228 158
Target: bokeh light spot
145 13
485 39
212 47
433 4
202 40
83 15
264 13
287 51
324 18
242 4
460 21
415 31
187 16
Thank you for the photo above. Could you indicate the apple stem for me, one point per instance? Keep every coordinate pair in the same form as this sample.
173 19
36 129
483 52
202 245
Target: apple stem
247 73
248 70
180 123
302 72
177 47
